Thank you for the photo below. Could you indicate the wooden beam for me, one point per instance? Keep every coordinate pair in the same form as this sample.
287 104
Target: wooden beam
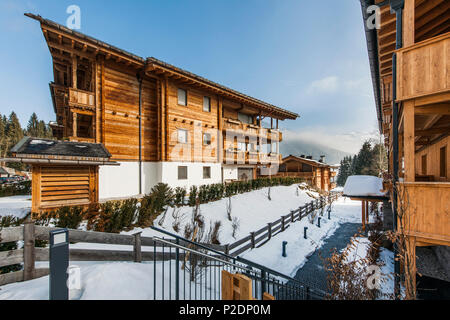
441 108
433 131
408 142
408 23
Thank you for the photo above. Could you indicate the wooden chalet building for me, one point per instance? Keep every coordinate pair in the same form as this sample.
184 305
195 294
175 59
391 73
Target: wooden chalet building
410 65
159 122
316 172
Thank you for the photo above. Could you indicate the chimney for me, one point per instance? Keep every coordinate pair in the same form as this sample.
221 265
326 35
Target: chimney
302 156
309 157
322 158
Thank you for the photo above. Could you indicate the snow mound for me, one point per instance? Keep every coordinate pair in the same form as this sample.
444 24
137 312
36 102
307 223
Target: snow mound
363 186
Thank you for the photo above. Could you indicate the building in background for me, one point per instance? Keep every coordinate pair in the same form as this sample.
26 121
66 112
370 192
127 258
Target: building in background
316 172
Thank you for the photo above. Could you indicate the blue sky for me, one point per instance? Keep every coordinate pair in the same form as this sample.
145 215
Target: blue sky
306 56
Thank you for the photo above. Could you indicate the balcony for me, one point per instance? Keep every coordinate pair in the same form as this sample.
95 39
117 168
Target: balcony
427 211
245 157
236 126
81 98
423 68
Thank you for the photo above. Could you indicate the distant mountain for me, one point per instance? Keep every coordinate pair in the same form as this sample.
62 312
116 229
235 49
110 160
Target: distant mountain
298 147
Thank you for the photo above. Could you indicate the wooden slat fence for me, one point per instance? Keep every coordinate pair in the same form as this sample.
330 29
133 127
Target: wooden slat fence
261 236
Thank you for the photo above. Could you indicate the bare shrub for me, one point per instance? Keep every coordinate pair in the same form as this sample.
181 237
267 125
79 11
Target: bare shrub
235 224
178 217
229 209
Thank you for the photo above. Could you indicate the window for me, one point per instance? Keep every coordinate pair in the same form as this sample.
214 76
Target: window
182 136
207 104
274 148
182 97
424 164
245 118
182 173
206 172
206 139
443 162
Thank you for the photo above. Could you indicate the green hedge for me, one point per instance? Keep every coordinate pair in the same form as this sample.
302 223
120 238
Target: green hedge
18 189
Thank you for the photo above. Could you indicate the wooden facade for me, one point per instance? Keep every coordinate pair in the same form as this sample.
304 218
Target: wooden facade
106 95
418 63
317 173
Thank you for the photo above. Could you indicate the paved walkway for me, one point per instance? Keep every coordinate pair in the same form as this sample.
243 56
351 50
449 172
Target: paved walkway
313 271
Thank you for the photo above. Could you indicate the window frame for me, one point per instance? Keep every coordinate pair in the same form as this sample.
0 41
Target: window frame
209 173
185 97
204 140
178 172
209 104
186 136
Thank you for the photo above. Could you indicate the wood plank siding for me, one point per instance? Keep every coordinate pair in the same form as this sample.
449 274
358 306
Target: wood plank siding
56 186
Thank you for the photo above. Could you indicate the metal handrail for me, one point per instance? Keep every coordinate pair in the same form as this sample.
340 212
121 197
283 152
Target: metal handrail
262 269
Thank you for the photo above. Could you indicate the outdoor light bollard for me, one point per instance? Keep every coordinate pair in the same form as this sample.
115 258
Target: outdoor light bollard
318 222
304 232
59 263
284 249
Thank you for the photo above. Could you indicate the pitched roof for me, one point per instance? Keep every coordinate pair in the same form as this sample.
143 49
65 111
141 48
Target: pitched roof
35 146
153 62
310 161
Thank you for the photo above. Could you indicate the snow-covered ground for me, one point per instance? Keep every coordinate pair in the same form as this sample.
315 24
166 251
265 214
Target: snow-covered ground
126 280
253 209
298 248
17 206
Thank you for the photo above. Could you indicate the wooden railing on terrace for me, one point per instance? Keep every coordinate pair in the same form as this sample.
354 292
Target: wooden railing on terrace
423 68
251 129
426 209
82 98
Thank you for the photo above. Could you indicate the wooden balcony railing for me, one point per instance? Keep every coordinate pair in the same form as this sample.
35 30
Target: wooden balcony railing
423 68
425 211
81 98
251 130
245 157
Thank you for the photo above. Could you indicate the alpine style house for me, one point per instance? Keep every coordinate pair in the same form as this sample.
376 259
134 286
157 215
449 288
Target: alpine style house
159 123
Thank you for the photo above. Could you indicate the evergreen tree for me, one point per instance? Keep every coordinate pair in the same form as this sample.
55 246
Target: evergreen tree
364 159
14 134
33 126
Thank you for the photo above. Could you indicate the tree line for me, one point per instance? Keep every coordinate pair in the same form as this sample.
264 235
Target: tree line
371 160
11 132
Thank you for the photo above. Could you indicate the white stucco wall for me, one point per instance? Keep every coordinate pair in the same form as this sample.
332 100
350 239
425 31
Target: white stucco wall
123 181
169 172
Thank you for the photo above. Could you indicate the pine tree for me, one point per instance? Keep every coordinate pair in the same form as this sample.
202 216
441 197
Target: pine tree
14 134
32 128
364 159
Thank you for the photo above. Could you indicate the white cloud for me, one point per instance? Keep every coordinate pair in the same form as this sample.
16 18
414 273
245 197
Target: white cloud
345 141
325 85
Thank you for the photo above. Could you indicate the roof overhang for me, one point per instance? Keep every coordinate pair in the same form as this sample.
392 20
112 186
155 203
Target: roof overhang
40 161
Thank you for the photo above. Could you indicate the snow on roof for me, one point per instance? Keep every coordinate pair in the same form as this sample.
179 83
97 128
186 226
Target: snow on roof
364 186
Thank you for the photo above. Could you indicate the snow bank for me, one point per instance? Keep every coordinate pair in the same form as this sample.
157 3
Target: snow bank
298 248
18 206
253 209
363 186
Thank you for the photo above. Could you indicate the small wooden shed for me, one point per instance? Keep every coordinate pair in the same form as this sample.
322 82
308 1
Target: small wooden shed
63 173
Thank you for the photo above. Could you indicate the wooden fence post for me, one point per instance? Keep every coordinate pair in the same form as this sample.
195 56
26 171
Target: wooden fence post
227 249
292 215
269 229
282 223
252 234
28 250
137 253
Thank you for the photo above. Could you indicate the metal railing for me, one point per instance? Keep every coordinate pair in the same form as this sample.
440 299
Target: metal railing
192 271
